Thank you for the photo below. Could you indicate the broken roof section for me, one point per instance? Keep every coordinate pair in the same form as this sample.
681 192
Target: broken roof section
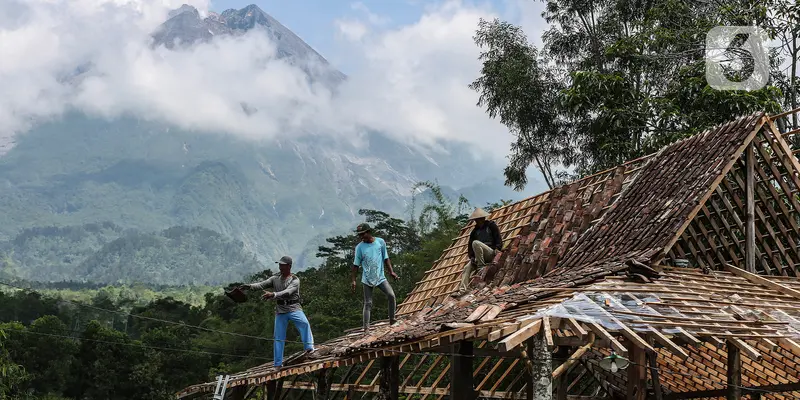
636 211
686 201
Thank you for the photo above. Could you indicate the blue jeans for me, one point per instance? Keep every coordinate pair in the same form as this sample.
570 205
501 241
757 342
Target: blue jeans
282 323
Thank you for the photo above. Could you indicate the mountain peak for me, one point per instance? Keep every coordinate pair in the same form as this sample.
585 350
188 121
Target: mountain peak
186 27
183 9
253 7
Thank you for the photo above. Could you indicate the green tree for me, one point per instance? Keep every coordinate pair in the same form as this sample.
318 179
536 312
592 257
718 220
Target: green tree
523 94
614 80
49 369
12 375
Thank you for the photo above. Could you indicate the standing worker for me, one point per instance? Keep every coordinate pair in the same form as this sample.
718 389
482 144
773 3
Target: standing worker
372 256
287 297
484 243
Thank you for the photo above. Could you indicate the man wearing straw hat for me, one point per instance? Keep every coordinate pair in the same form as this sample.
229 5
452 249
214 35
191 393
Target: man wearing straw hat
484 243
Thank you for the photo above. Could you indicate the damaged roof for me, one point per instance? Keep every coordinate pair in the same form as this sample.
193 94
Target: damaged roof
617 227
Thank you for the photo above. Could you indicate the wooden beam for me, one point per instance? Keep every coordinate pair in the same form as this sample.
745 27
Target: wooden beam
548 333
574 357
734 373
702 200
603 333
503 331
390 377
669 344
760 280
274 389
714 393
519 336
793 346
351 390
654 375
629 334
637 374
750 227
561 389
236 393
461 382
323 390
576 328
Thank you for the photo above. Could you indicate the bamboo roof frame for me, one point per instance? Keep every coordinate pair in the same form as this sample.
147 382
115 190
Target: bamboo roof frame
685 318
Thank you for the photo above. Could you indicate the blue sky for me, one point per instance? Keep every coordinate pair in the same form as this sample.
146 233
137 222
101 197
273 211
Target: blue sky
315 20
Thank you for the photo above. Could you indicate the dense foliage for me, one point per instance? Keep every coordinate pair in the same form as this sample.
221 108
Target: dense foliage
105 253
87 342
618 79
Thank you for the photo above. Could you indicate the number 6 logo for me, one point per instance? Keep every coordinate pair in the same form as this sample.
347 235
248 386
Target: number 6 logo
727 55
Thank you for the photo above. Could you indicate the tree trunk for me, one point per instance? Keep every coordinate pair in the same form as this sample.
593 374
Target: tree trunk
541 358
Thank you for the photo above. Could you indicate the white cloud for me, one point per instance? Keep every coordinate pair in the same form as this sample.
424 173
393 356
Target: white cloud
413 80
409 81
351 29
372 18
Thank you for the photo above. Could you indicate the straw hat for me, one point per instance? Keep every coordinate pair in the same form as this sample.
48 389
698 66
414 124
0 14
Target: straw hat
478 213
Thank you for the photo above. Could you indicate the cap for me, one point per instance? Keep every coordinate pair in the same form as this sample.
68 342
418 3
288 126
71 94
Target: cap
362 228
284 260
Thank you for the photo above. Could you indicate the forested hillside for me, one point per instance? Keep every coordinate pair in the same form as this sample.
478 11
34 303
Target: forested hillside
264 199
115 346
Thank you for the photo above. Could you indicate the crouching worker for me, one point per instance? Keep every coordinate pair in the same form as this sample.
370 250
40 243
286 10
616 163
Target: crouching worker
287 297
484 243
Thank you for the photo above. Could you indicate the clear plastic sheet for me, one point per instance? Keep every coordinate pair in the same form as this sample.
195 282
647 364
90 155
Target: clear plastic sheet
604 309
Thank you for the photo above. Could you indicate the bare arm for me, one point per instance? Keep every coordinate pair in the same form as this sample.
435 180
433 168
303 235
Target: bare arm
353 283
388 264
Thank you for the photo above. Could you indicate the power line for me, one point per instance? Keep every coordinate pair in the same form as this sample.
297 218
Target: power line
334 346
143 346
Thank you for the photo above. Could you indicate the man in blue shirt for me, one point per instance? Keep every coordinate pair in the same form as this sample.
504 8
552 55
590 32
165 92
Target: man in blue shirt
371 256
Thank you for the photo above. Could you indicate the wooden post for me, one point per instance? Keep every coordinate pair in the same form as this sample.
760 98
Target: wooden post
637 373
274 389
530 381
654 376
323 384
461 384
750 228
734 372
561 390
563 353
390 378
237 393
542 374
